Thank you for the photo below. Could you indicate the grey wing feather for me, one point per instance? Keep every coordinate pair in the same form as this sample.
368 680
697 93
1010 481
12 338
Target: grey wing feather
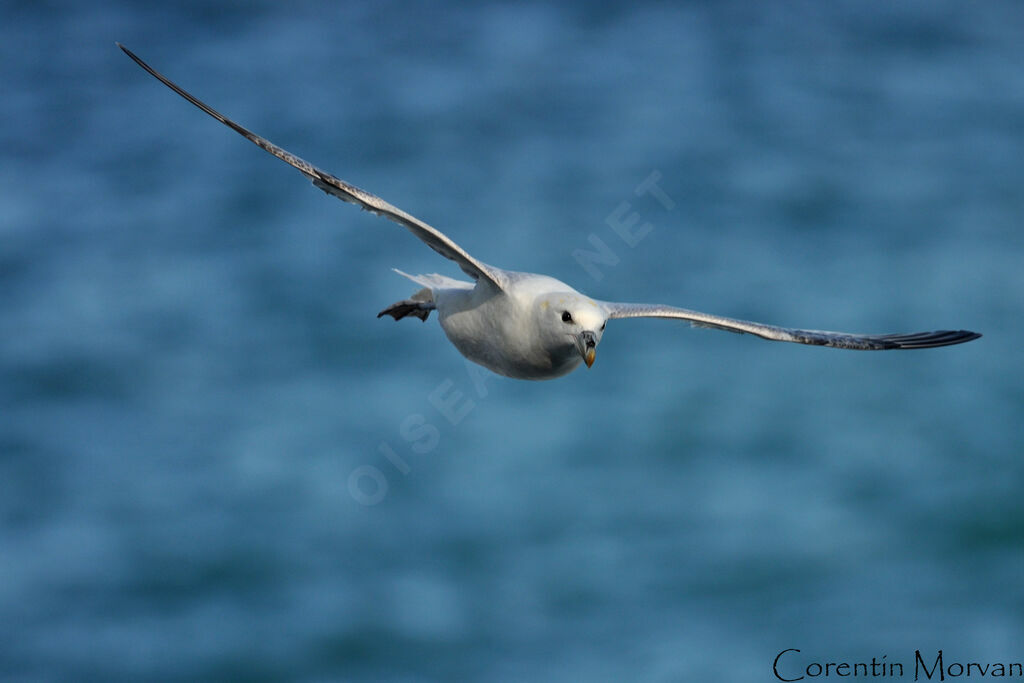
839 340
332 185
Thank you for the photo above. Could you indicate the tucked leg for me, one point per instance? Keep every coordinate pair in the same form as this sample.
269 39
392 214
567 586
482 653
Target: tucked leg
407 307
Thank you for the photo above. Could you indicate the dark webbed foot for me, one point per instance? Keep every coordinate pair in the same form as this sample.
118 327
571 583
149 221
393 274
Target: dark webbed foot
407 307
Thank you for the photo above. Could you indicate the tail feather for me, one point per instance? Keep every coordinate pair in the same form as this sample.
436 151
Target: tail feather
435 281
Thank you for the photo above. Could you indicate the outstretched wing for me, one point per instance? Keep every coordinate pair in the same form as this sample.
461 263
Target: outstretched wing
330 184
839 340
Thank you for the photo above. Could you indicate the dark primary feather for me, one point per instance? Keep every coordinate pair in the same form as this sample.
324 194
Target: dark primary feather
333 185
839 340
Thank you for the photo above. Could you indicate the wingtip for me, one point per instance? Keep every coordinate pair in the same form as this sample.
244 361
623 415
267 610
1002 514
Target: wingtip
961 337
926 340
135 58
126 51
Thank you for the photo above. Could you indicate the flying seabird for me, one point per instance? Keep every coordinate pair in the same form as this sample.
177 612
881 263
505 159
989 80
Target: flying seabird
530 326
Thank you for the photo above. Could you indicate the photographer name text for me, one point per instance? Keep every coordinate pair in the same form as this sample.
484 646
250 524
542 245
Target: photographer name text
791 665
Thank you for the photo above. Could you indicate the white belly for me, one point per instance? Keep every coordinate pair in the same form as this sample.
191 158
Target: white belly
487 329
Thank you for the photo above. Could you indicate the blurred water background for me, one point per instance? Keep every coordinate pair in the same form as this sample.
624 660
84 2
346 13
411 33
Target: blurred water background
217 464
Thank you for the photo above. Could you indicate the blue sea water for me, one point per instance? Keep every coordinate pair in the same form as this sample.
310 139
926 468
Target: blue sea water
217 464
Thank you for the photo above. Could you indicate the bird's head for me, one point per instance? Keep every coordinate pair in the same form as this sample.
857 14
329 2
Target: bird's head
576 323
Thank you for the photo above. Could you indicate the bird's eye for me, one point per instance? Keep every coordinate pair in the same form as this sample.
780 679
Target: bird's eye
566 317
